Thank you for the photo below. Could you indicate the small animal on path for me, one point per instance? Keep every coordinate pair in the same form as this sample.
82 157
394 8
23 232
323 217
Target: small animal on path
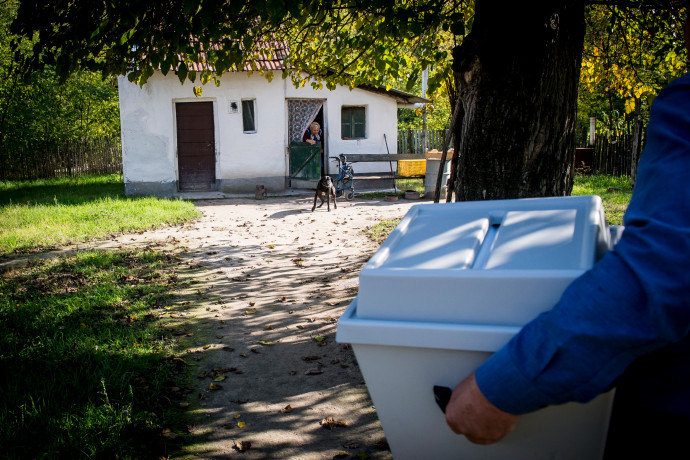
325 187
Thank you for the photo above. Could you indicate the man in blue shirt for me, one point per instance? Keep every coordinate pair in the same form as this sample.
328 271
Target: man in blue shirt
624 323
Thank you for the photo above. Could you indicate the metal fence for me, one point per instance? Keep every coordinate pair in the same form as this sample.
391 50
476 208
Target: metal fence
73 158
410 140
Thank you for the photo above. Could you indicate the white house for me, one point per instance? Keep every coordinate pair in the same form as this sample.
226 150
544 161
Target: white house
237 135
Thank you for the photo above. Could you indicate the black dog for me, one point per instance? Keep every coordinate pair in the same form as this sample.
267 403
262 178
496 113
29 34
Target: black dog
325 187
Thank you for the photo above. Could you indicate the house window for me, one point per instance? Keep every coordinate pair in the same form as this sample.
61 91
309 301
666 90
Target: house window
353 123
249 115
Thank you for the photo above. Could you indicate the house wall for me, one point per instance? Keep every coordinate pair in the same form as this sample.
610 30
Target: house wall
381 118
243 160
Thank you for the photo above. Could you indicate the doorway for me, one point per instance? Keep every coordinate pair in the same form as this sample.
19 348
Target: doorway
307 163
196 149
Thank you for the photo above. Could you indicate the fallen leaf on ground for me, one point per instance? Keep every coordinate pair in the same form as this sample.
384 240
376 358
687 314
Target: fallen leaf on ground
240 424
298 262
287 409
266 342
242 446
330 423
251 311
313 371
310 358
269 327
214 386
220 378
236 416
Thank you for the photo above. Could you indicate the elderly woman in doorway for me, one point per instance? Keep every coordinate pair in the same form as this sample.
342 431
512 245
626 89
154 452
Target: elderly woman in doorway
313 134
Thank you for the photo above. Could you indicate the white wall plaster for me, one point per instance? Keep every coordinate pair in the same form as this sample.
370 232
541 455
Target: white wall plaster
149 136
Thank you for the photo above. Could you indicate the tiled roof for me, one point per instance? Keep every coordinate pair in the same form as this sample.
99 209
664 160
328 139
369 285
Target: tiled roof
270 57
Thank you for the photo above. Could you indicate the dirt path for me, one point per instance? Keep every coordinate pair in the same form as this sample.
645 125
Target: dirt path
265 284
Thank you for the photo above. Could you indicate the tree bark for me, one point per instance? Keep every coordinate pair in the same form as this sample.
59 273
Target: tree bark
517 74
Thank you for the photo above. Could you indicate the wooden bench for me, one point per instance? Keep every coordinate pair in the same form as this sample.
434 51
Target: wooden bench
383 158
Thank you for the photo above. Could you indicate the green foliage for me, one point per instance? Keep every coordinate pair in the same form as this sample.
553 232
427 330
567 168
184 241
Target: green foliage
49 213
631 52
36 109
343 42
84 358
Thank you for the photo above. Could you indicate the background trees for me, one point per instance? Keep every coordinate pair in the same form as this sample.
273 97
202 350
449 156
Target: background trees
34 108
516 69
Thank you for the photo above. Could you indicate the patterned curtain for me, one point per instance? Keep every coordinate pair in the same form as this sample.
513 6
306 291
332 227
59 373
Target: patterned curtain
301 113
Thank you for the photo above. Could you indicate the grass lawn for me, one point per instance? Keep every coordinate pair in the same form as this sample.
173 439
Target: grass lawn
38 215
615 193
88 370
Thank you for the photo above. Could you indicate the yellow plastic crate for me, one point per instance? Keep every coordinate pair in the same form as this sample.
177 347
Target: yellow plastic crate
411 167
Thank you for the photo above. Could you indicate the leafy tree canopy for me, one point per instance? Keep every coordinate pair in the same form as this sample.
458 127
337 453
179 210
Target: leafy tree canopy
346 41
632 50
37 110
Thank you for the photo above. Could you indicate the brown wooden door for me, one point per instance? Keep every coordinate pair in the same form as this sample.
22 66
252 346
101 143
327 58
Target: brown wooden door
196 150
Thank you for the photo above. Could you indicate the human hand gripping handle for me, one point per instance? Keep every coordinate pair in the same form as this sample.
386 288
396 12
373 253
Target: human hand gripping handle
469 413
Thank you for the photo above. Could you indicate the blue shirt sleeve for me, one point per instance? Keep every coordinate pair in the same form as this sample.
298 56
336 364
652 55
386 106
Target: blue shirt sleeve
634 301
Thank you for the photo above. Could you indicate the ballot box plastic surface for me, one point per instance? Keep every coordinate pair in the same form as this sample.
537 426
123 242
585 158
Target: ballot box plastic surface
449 287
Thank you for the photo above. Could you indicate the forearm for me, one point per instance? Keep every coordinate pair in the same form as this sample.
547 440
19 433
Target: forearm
606 319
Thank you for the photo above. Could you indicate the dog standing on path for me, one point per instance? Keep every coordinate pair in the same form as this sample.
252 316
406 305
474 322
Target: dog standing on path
325 187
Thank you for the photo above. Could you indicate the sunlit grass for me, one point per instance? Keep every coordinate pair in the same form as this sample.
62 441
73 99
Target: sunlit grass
615 193
50 213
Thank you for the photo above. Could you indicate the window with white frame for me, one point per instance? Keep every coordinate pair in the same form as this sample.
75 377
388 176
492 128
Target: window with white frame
249 115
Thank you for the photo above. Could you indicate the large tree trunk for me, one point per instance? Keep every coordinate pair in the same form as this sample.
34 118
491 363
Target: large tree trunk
517 74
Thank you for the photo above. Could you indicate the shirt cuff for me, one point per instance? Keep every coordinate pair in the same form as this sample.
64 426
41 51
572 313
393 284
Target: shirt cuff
505 387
